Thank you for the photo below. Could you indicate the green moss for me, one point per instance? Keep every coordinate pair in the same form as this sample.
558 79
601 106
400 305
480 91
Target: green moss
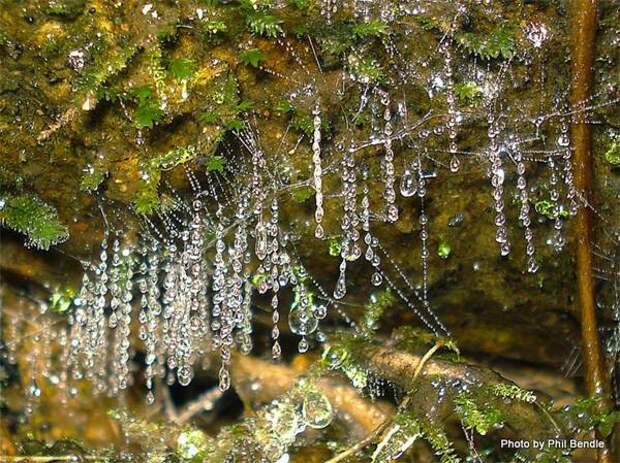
338 357
252 57
500 42
398 438
216 164
182 69
480 419
366 69
513 392
369 29
303 194
90 85
147 195
28 214
148 113
438 439
548 209
588 415
214 27
68 9
612 155
93 177
192 445
444 250
174 158
61 299
468 93
334 247
264 24
379 303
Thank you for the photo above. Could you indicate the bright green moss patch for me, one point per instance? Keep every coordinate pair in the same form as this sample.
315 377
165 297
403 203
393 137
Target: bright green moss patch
216 164
612 155
301 195
468 93
147 196
500 42
93 176
480 419
28 214
252 57
182 69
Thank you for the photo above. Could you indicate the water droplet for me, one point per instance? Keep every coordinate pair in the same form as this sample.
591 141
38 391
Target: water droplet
408 184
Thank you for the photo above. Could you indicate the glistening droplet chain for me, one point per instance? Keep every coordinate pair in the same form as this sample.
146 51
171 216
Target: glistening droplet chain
524 212
569 179
453 115
387 164
423 220
371 242
497 181
317 173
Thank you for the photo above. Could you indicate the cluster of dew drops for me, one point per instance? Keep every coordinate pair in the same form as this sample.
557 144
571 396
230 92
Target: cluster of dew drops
193 277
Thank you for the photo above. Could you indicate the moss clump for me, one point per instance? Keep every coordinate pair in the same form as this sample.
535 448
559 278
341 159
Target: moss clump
468 93
444 250
500 42
439 442
252 57
370 29
264 24
612 155
379 303
303 194
147 196
93 177
513 392
480 419
148 112
61 299
182 69
216 164
550 210
28 214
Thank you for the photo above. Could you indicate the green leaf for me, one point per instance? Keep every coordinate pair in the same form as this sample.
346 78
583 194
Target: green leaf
612 155
142 93
252 57
92 178
61 300
245 106
209 117
147 196
284 107
216 164
373 28
302 194
28 214
234 124
148 114
182 69
261 23
214 27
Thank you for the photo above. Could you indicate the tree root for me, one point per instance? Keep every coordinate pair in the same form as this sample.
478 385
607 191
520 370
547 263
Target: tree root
584 21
